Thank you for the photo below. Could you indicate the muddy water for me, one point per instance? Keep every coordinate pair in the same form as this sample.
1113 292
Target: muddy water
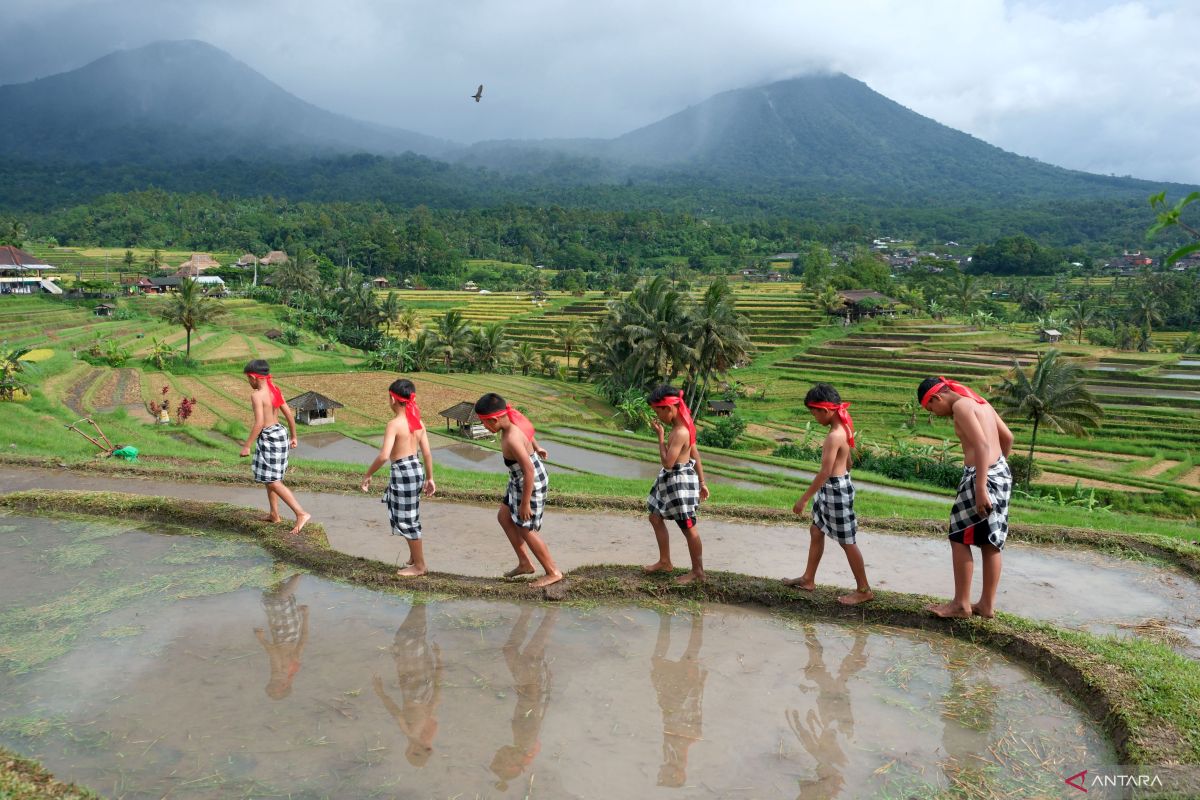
762 469
308 688
1131 391
1076 588
330 446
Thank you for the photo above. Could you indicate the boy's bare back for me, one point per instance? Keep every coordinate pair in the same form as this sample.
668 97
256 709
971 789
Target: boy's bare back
836 444
260 403
404 441
979 426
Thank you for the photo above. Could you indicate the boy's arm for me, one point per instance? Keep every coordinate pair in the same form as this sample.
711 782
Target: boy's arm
537 448
1006 436
695 454
260 422
972 436
829 451
385 453
525 512
672 450
430 487
291 423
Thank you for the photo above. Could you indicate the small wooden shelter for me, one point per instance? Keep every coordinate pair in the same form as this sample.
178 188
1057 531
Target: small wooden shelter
104 310
1050 335
721 408
860 303
313 408
469 424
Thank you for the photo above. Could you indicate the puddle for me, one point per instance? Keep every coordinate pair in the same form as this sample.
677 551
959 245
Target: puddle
757 467
1187 376
1132 391
332 446
1187 363
310 688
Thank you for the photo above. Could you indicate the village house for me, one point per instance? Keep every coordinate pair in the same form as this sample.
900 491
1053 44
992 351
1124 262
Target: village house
470 286
274 257
864 303
1050 335
196 265
721 408
246 261
22 273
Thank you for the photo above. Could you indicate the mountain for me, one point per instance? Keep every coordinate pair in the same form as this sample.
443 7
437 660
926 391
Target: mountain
826 131
172 101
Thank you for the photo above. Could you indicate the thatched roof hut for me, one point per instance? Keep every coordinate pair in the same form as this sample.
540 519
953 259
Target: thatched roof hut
313 408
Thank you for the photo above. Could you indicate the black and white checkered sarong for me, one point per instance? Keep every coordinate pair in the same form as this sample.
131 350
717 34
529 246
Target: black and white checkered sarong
964 516
833 509
403 496
270 454
537 499
283 617
675 494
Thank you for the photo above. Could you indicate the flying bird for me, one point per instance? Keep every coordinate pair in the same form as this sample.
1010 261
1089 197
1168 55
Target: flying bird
478 93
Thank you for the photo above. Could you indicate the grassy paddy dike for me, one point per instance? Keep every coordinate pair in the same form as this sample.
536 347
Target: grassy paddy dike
1145 697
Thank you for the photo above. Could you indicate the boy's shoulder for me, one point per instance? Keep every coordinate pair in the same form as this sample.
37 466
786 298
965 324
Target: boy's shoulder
836 434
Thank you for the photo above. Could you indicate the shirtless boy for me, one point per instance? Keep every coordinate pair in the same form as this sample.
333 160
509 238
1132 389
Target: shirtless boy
980 513
271 442
405 433
832 493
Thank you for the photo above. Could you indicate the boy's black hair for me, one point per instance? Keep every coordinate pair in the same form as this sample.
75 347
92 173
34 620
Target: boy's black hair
822 393
490 403
661 392
925 386
403 387
258 366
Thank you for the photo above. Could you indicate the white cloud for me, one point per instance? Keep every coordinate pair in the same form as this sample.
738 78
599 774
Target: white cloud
1109 87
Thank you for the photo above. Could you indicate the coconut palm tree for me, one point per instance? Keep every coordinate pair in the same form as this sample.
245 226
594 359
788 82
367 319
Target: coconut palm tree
1054 395
965 291
191 308
390 309
490 347
1079 317
408 323
721 337
296 276
424 351
1146 310
452 333
525 357
569 337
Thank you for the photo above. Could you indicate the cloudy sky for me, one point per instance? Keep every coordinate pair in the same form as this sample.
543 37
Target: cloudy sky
1108 87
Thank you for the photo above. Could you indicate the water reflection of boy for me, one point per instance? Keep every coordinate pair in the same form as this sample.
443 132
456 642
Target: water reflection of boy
289 633
680 689
419 675
833 718
531 682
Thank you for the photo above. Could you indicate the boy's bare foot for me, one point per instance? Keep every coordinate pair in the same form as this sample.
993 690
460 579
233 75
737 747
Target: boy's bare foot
949 610
410 571
270 518
980 610
854 598
690 577
547 579
520 569
800 583
301 521
658 566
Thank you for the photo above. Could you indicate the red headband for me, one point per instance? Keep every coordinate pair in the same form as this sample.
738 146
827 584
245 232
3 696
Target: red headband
684 412
276 395
842 414
518 419
954 386
411 410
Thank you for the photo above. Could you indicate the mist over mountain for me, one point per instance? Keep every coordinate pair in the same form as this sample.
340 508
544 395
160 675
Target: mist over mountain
180 100
830 135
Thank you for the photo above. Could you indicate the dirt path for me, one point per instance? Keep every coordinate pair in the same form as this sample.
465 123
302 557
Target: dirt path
1076 588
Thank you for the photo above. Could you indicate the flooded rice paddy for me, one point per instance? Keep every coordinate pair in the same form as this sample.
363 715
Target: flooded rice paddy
146 665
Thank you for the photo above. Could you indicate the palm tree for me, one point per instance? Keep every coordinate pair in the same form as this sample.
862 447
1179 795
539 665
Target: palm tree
408 323
1079 317
452 333
490 347
569 337
390 309
424 351
11 366
191 308
546 364
657 329
831 302
965 292
1054 395
1146 310
525 357
296 276
721 337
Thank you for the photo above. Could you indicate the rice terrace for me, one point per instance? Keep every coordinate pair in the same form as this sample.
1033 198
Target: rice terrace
689 440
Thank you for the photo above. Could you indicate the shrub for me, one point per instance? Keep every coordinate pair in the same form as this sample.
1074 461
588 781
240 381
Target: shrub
723 433
1021 469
